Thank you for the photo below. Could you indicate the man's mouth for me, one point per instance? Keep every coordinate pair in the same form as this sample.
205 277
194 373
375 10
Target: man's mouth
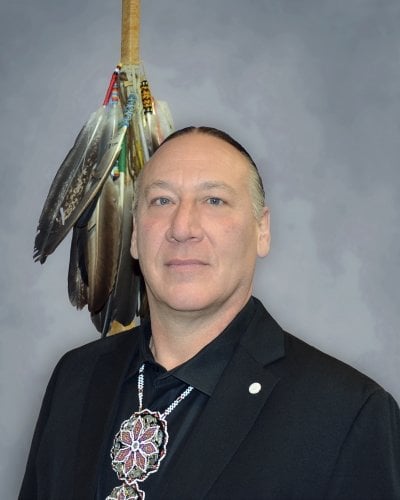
182 263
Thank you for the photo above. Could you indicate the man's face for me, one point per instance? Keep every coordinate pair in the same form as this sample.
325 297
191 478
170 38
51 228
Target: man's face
195 233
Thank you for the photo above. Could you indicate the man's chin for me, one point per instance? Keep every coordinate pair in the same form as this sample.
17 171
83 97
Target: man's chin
187 302
190 306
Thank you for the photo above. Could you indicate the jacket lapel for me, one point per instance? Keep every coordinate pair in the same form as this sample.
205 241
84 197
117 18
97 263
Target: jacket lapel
231 411
98 412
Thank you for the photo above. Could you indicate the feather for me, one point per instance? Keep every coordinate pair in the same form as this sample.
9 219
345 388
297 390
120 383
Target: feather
77 279
77 271
67 188
102 246
160 124
121 307
163 125
157 119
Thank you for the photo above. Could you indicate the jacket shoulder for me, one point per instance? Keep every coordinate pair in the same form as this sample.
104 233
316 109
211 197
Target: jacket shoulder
305 359
304 369
92 350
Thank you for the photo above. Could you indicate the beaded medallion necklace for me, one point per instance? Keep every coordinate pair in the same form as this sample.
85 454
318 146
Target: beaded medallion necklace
140 445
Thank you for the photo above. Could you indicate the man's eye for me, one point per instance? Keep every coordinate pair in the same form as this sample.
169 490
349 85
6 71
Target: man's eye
215 201
160 201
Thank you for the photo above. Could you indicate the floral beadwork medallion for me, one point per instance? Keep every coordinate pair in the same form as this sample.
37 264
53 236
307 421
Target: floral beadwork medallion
139 447
126 492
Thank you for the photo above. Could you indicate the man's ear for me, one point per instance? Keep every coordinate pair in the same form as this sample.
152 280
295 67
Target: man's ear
134 250
264 235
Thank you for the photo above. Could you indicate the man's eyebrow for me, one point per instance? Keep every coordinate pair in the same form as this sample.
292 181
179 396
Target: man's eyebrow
157 184
216 185
203 186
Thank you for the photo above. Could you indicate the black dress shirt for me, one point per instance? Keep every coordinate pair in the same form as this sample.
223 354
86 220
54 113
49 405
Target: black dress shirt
162 387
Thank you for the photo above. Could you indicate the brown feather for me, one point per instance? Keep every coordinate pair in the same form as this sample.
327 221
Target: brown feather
77 287
102 246
122 304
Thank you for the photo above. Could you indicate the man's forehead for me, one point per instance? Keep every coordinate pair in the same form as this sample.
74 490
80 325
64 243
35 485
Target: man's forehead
196 149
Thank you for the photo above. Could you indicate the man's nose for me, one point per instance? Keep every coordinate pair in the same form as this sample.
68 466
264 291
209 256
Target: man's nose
185 223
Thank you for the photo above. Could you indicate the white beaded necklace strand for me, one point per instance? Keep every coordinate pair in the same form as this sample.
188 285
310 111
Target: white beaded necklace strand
140 445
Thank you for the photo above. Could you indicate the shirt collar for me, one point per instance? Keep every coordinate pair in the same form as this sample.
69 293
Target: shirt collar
204 370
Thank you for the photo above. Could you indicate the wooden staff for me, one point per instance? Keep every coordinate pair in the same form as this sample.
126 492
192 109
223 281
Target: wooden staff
130 32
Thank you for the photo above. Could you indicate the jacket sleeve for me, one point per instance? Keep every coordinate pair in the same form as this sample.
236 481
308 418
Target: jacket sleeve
368 466
29 484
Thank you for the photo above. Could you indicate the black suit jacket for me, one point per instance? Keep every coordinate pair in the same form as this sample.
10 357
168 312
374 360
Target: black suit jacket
317 429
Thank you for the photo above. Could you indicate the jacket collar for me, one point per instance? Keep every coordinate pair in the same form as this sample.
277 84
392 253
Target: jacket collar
264 338
231 411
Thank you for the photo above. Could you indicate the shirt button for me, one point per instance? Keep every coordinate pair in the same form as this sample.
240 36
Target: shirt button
254 388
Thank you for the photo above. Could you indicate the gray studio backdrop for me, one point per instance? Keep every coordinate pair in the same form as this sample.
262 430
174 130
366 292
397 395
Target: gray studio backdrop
310 87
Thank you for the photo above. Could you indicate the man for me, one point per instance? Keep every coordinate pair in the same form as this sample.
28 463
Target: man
210 398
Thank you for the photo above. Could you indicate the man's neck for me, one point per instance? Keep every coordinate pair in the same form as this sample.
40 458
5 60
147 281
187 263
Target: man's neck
178 336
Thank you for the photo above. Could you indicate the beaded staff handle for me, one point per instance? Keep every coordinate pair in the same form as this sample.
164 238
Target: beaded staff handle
130 32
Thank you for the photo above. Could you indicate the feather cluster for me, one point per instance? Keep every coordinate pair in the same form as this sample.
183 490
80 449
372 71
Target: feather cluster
92 194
